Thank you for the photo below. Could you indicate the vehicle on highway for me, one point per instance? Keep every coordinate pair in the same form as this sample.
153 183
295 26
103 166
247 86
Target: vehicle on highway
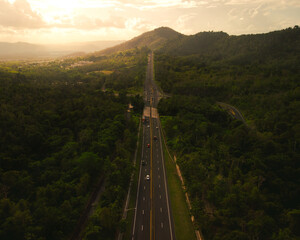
147 177
143 162
148 145
155 138
148 126
156 127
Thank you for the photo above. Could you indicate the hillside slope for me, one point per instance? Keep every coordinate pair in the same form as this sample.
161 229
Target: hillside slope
154 40
214 46
21 49
243 181
217 46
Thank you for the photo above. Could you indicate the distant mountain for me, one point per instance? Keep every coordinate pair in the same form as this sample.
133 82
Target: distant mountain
213 46
154 40
28 50
86 47
217 46
21 49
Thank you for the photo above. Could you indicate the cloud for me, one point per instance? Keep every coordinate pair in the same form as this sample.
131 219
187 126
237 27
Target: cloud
257 16
254 11
275 3
114 22
155 4
19 15
63 20
183 20
139 24
6 31
247 12
83 22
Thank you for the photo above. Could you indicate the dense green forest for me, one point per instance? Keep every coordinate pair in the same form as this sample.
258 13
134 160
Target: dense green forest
64 128
60 136
243 180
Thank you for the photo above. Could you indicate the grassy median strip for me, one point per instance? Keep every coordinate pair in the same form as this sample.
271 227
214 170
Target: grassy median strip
184 228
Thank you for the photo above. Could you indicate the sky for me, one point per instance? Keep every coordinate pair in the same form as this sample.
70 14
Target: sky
62 21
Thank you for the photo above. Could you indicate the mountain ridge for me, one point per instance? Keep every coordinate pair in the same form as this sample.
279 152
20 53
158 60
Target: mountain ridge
154 40
32 50
217 45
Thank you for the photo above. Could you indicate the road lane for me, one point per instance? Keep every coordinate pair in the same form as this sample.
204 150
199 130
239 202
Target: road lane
153 218
142 218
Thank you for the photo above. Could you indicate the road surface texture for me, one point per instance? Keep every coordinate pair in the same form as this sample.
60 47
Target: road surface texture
153 218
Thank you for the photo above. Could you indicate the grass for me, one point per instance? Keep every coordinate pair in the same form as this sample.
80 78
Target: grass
184 228
106 72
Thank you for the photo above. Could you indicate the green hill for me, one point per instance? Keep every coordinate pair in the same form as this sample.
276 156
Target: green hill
238 49
243 180
217 46
154 40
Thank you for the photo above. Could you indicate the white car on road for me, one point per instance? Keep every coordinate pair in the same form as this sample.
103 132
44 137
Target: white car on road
147 177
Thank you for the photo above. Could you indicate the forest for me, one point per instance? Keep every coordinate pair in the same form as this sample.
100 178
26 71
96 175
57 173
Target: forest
61 135
243 179
65 128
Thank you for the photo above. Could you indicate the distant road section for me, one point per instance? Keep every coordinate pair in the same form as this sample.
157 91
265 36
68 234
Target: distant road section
153 217
234 112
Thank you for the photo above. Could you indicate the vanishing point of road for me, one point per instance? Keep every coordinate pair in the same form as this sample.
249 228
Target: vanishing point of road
153 218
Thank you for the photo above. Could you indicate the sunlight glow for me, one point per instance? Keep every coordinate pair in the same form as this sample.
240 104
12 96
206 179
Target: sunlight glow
65 4
61 20
71 4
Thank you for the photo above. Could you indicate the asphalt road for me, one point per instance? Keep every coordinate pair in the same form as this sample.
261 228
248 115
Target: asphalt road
153 218
234 112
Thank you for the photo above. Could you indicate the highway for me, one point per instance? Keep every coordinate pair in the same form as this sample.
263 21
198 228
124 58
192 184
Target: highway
153 217
234 112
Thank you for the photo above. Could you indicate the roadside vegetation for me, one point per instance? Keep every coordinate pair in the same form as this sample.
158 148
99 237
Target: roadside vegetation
60 135
64 126
182 219
127 230
243 181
